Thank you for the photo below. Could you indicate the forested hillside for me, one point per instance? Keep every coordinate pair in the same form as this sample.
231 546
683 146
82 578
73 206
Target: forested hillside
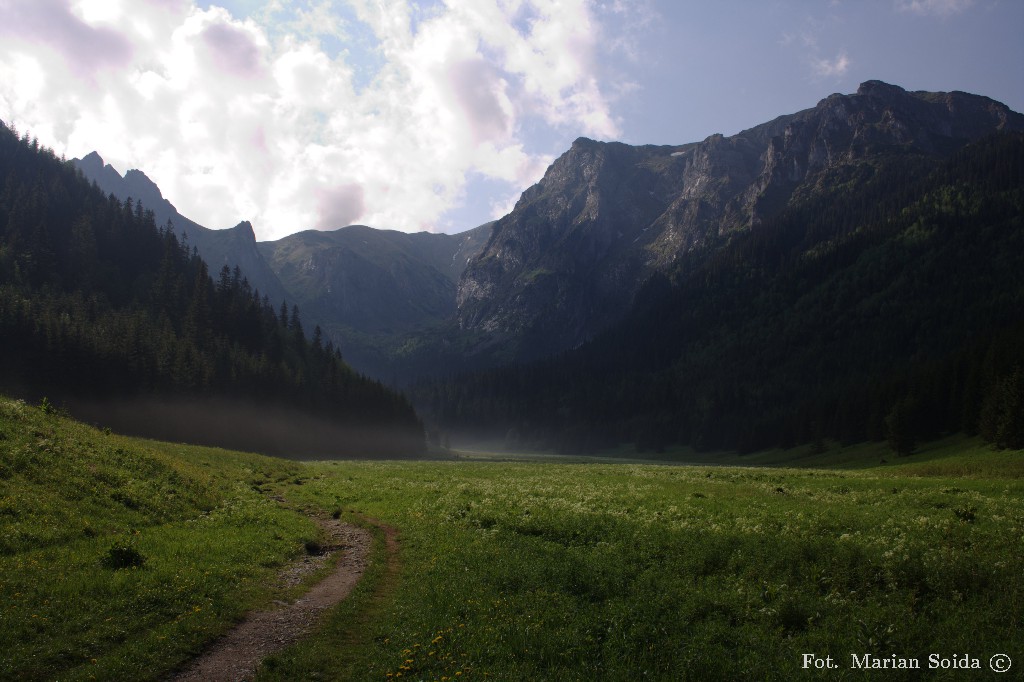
99 303
376 292
889 303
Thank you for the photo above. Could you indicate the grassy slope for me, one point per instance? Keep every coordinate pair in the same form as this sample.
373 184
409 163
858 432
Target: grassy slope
69 493
510 570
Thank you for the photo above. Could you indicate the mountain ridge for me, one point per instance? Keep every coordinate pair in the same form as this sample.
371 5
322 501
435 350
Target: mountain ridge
570 258
372 290
610 215
889 306
367 288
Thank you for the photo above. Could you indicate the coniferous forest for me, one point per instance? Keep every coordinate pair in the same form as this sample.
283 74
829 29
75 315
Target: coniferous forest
886 305
98 303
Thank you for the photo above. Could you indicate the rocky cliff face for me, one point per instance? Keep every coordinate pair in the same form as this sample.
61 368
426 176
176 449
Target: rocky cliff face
577 246
573 242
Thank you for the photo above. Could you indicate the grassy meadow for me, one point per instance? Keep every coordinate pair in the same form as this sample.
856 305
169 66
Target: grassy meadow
120 558
534 570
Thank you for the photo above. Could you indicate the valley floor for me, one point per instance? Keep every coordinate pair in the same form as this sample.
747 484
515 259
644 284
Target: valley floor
511 570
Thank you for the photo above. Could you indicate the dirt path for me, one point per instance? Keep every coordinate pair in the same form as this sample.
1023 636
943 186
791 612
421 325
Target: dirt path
236 655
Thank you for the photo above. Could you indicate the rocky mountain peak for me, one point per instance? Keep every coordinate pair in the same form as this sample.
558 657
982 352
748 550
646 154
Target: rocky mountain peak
879 89
138 185
236 246
103 174
91 160
139 179
245 228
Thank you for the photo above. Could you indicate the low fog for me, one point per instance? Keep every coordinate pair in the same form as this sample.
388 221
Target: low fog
270 430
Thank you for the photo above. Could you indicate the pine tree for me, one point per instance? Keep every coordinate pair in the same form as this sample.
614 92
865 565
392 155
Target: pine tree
1002 416
900 428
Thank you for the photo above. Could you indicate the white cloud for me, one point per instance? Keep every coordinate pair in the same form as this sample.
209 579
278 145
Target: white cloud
831 67
237 118
633 20
502 207
83 47
233 49
942 8
808 38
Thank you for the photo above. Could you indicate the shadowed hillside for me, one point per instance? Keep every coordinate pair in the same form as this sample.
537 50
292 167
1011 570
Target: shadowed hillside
99 303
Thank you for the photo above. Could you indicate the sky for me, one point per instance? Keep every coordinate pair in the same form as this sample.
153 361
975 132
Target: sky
405 115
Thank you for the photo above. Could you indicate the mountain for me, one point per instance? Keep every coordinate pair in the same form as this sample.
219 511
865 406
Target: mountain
105 312
886 305
571 256
234 247
369 290
372 288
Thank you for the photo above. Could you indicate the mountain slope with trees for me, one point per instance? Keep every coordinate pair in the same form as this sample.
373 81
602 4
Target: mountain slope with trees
234 247
887 304
370 290
98 303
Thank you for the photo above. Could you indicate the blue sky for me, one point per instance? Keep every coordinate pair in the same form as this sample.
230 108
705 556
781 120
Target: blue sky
314 114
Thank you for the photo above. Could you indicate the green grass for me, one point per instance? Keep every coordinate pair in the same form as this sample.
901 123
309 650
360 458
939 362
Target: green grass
70 494
956 455
591 571
541 570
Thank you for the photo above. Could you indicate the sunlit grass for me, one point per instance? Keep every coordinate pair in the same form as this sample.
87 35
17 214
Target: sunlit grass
209 543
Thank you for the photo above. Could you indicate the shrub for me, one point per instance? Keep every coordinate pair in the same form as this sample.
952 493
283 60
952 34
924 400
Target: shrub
123 555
